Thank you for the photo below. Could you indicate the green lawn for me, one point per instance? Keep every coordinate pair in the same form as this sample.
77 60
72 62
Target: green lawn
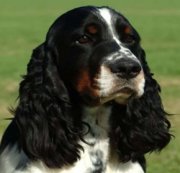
23 25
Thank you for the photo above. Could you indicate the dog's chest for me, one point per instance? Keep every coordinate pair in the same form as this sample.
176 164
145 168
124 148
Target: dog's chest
94 158
97 150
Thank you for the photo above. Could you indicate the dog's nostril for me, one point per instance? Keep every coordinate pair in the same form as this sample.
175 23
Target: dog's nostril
126 69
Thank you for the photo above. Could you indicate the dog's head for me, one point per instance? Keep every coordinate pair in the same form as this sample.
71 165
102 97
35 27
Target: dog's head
90 56
98 55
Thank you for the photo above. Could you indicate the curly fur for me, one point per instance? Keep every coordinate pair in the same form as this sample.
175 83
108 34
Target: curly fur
44 114
49 123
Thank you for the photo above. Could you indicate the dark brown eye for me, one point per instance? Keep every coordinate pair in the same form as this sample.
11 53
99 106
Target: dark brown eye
127 36
128 39
83 40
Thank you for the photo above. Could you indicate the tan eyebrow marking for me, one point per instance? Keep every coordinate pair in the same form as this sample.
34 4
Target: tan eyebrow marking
92 29
127 30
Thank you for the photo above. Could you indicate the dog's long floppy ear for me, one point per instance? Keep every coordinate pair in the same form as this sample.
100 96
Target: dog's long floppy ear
143 126
43 116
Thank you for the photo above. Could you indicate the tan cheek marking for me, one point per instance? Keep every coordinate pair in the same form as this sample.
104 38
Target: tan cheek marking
84 84
84 81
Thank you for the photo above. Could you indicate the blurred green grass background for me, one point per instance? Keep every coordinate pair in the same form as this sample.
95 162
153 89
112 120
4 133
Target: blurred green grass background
23 25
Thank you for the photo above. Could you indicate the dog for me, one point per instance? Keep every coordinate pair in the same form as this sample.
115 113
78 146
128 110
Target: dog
88 103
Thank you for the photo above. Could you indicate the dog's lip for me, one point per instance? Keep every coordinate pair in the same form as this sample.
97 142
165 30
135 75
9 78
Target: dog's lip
126 90
124 93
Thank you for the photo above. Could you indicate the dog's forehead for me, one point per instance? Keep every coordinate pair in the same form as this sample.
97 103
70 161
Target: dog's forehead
79 17
101 14
76 20
110 18
106 14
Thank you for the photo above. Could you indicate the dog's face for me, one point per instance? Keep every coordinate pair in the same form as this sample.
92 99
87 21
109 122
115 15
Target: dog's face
98 55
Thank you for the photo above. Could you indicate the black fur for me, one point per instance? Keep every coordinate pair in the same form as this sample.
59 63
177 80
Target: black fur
48 122
44 114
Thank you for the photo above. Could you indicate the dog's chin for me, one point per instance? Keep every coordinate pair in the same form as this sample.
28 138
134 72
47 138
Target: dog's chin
121 96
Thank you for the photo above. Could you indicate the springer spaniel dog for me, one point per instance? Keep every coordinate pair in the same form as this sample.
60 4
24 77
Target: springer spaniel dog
88 103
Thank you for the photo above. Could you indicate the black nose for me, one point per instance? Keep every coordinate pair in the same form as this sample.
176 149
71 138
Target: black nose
126 68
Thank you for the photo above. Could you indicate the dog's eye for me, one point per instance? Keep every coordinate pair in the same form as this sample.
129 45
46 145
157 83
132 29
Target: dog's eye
83 40
127 36
128 39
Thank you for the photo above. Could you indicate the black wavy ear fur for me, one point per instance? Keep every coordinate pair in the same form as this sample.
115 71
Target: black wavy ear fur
47 130
141 126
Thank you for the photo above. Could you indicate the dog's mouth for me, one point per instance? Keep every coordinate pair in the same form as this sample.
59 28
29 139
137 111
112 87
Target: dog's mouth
107 88
120 95
110 87
126 91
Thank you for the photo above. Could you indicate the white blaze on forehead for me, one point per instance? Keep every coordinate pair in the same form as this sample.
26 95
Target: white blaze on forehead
106 15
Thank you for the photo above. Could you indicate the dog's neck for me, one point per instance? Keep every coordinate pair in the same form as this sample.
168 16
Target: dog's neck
96 145
97 117
98 120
